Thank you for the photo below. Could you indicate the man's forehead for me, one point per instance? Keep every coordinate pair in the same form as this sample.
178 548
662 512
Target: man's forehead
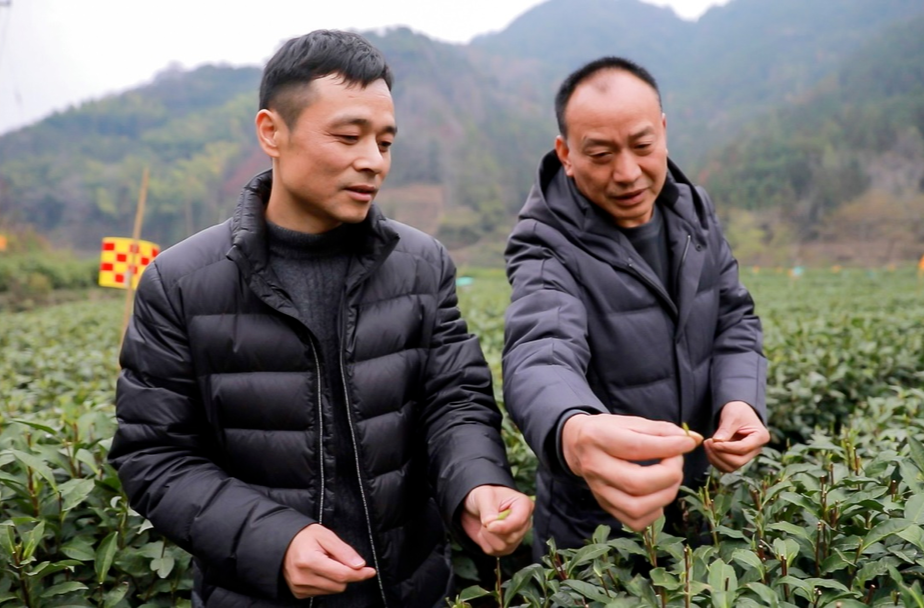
612 98
614 83
337 84
306 93
334 101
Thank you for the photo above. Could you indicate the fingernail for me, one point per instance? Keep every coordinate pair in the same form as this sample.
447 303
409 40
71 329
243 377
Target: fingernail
358 562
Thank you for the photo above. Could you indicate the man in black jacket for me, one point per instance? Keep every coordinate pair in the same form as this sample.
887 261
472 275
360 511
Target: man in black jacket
627 319
301 406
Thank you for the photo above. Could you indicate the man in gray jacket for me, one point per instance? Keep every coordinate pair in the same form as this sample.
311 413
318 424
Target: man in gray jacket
627 319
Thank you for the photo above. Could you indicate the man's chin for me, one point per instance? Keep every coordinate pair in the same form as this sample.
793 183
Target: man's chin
633 216
357 214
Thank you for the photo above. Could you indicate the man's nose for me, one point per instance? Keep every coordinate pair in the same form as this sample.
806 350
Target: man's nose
626 169
372 158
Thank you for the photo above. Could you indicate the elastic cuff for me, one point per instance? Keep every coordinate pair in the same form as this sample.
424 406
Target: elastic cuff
558 462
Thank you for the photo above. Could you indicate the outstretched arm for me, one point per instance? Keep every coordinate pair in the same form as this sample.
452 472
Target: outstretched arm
546 352
739 368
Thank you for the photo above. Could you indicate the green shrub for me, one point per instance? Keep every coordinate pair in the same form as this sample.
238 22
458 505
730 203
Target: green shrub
833 515
67 534
833 522
62 270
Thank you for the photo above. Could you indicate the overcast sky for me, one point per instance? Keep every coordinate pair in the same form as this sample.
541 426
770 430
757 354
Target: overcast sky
59 53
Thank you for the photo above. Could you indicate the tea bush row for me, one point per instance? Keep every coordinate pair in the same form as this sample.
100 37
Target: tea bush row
845 358
60 270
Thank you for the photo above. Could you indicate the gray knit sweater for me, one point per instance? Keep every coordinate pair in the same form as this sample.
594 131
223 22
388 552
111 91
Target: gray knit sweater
312 268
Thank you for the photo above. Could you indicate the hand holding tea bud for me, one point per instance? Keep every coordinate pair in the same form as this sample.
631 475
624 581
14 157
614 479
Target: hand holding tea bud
739 438
318 562
496 518
606 450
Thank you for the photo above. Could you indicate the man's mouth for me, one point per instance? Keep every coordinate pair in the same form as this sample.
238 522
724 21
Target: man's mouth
362 188
362 192
630 195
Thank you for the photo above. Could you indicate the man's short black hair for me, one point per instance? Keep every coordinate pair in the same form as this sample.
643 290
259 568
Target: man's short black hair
566 90
315 55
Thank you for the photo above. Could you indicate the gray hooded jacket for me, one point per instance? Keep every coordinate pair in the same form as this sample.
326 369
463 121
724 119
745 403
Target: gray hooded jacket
592 328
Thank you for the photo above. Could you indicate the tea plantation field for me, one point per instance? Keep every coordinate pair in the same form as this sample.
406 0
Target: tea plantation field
832 514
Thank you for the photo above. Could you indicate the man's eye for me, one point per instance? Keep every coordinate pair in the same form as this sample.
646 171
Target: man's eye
349 138
385 144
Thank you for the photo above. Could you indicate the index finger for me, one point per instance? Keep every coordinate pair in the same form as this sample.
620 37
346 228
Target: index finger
740 447
326 567
660 428
632 445
520 511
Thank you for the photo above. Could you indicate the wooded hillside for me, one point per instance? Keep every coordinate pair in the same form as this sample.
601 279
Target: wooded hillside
803 118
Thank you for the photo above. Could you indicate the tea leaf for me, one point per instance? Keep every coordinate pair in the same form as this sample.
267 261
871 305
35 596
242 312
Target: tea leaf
105 554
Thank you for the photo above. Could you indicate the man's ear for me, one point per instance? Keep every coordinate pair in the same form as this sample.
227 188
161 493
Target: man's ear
268 124
561 149
664 127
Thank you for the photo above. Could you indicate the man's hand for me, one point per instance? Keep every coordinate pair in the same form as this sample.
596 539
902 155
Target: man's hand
738 439
496 518
317 562
604 449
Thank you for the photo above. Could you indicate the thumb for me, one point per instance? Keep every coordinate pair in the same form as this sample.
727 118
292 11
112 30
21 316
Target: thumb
483 506
724 432
339 550
512 513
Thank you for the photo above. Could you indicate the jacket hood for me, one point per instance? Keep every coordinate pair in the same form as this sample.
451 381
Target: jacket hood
555 200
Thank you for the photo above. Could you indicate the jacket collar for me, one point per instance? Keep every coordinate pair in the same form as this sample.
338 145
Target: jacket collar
248 236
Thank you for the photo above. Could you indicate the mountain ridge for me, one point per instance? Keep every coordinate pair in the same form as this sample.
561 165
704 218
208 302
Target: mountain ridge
474 119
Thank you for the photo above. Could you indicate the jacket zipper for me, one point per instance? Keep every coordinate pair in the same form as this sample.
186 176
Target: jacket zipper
683 258
680 265
317 366
362 491
346 395
657 289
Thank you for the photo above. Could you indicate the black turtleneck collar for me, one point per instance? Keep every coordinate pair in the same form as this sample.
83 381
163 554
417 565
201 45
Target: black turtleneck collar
292 244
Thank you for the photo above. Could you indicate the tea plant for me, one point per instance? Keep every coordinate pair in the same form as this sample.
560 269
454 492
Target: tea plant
67 534
832 514
833 522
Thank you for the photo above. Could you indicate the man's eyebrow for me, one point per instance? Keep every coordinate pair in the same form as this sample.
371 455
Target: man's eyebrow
363 122
593 141
642 132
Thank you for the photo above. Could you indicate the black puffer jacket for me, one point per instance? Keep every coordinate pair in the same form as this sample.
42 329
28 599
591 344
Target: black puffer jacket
591 328
221 441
